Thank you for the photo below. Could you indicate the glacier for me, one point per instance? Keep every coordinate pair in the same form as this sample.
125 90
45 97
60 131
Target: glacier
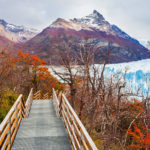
137 75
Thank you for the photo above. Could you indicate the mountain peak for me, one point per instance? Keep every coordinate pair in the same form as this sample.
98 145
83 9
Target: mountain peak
94 19
16 33
96 14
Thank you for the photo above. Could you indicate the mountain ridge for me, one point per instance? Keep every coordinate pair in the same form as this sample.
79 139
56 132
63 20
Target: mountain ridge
16 33
92 29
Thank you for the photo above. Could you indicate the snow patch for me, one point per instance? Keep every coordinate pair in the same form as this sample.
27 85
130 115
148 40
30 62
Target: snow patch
61 23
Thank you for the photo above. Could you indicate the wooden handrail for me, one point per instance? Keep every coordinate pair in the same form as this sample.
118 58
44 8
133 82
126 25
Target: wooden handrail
29 103
79 137
46 96
56 103
10 124
37 95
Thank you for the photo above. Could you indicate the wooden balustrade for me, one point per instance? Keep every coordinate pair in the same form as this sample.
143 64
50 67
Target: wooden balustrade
79 137
29 103
10 124
46 96
40 95
37 95
56 103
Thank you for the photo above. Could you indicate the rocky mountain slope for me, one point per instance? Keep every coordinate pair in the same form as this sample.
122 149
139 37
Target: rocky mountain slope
16 33
6 44
92 29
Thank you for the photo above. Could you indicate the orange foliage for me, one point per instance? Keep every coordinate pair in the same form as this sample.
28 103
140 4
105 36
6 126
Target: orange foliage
40 73
141 137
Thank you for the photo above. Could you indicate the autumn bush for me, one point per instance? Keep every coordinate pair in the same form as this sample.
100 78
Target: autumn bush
140 137
35 73
21 73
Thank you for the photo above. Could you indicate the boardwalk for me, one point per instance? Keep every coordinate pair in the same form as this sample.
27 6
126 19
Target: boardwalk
43 125
42 130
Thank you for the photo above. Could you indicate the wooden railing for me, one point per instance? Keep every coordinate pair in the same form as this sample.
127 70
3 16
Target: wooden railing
29 103
56 103
46 96
10 124
79 137
39 95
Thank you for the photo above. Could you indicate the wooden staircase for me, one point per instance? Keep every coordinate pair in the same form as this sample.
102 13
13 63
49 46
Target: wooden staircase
43 125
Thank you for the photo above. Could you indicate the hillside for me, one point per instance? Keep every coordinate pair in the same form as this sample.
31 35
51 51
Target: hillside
16 33
92 29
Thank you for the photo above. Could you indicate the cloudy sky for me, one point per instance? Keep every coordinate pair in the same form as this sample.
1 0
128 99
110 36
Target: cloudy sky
132 16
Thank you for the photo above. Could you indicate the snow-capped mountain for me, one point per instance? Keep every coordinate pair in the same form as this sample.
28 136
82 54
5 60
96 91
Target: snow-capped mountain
96 20
69 24
93 30
16 33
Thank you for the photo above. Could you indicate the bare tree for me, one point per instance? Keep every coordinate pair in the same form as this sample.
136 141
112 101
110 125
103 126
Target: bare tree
68 73
101 97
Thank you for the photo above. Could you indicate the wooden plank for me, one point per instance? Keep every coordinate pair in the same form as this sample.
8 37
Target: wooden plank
37 95
9 147
15 112
14 134
45 96
14 124
6 142
4 133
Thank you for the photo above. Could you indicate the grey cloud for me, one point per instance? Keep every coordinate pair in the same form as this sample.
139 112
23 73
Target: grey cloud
130 15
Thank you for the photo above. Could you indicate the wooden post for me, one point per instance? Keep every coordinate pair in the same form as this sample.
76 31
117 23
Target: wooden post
60 105
22 107
9 132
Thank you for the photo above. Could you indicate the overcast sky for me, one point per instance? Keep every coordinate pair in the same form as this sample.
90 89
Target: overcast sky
132 16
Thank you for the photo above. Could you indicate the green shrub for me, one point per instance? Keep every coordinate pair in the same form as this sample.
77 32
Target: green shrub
7 100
